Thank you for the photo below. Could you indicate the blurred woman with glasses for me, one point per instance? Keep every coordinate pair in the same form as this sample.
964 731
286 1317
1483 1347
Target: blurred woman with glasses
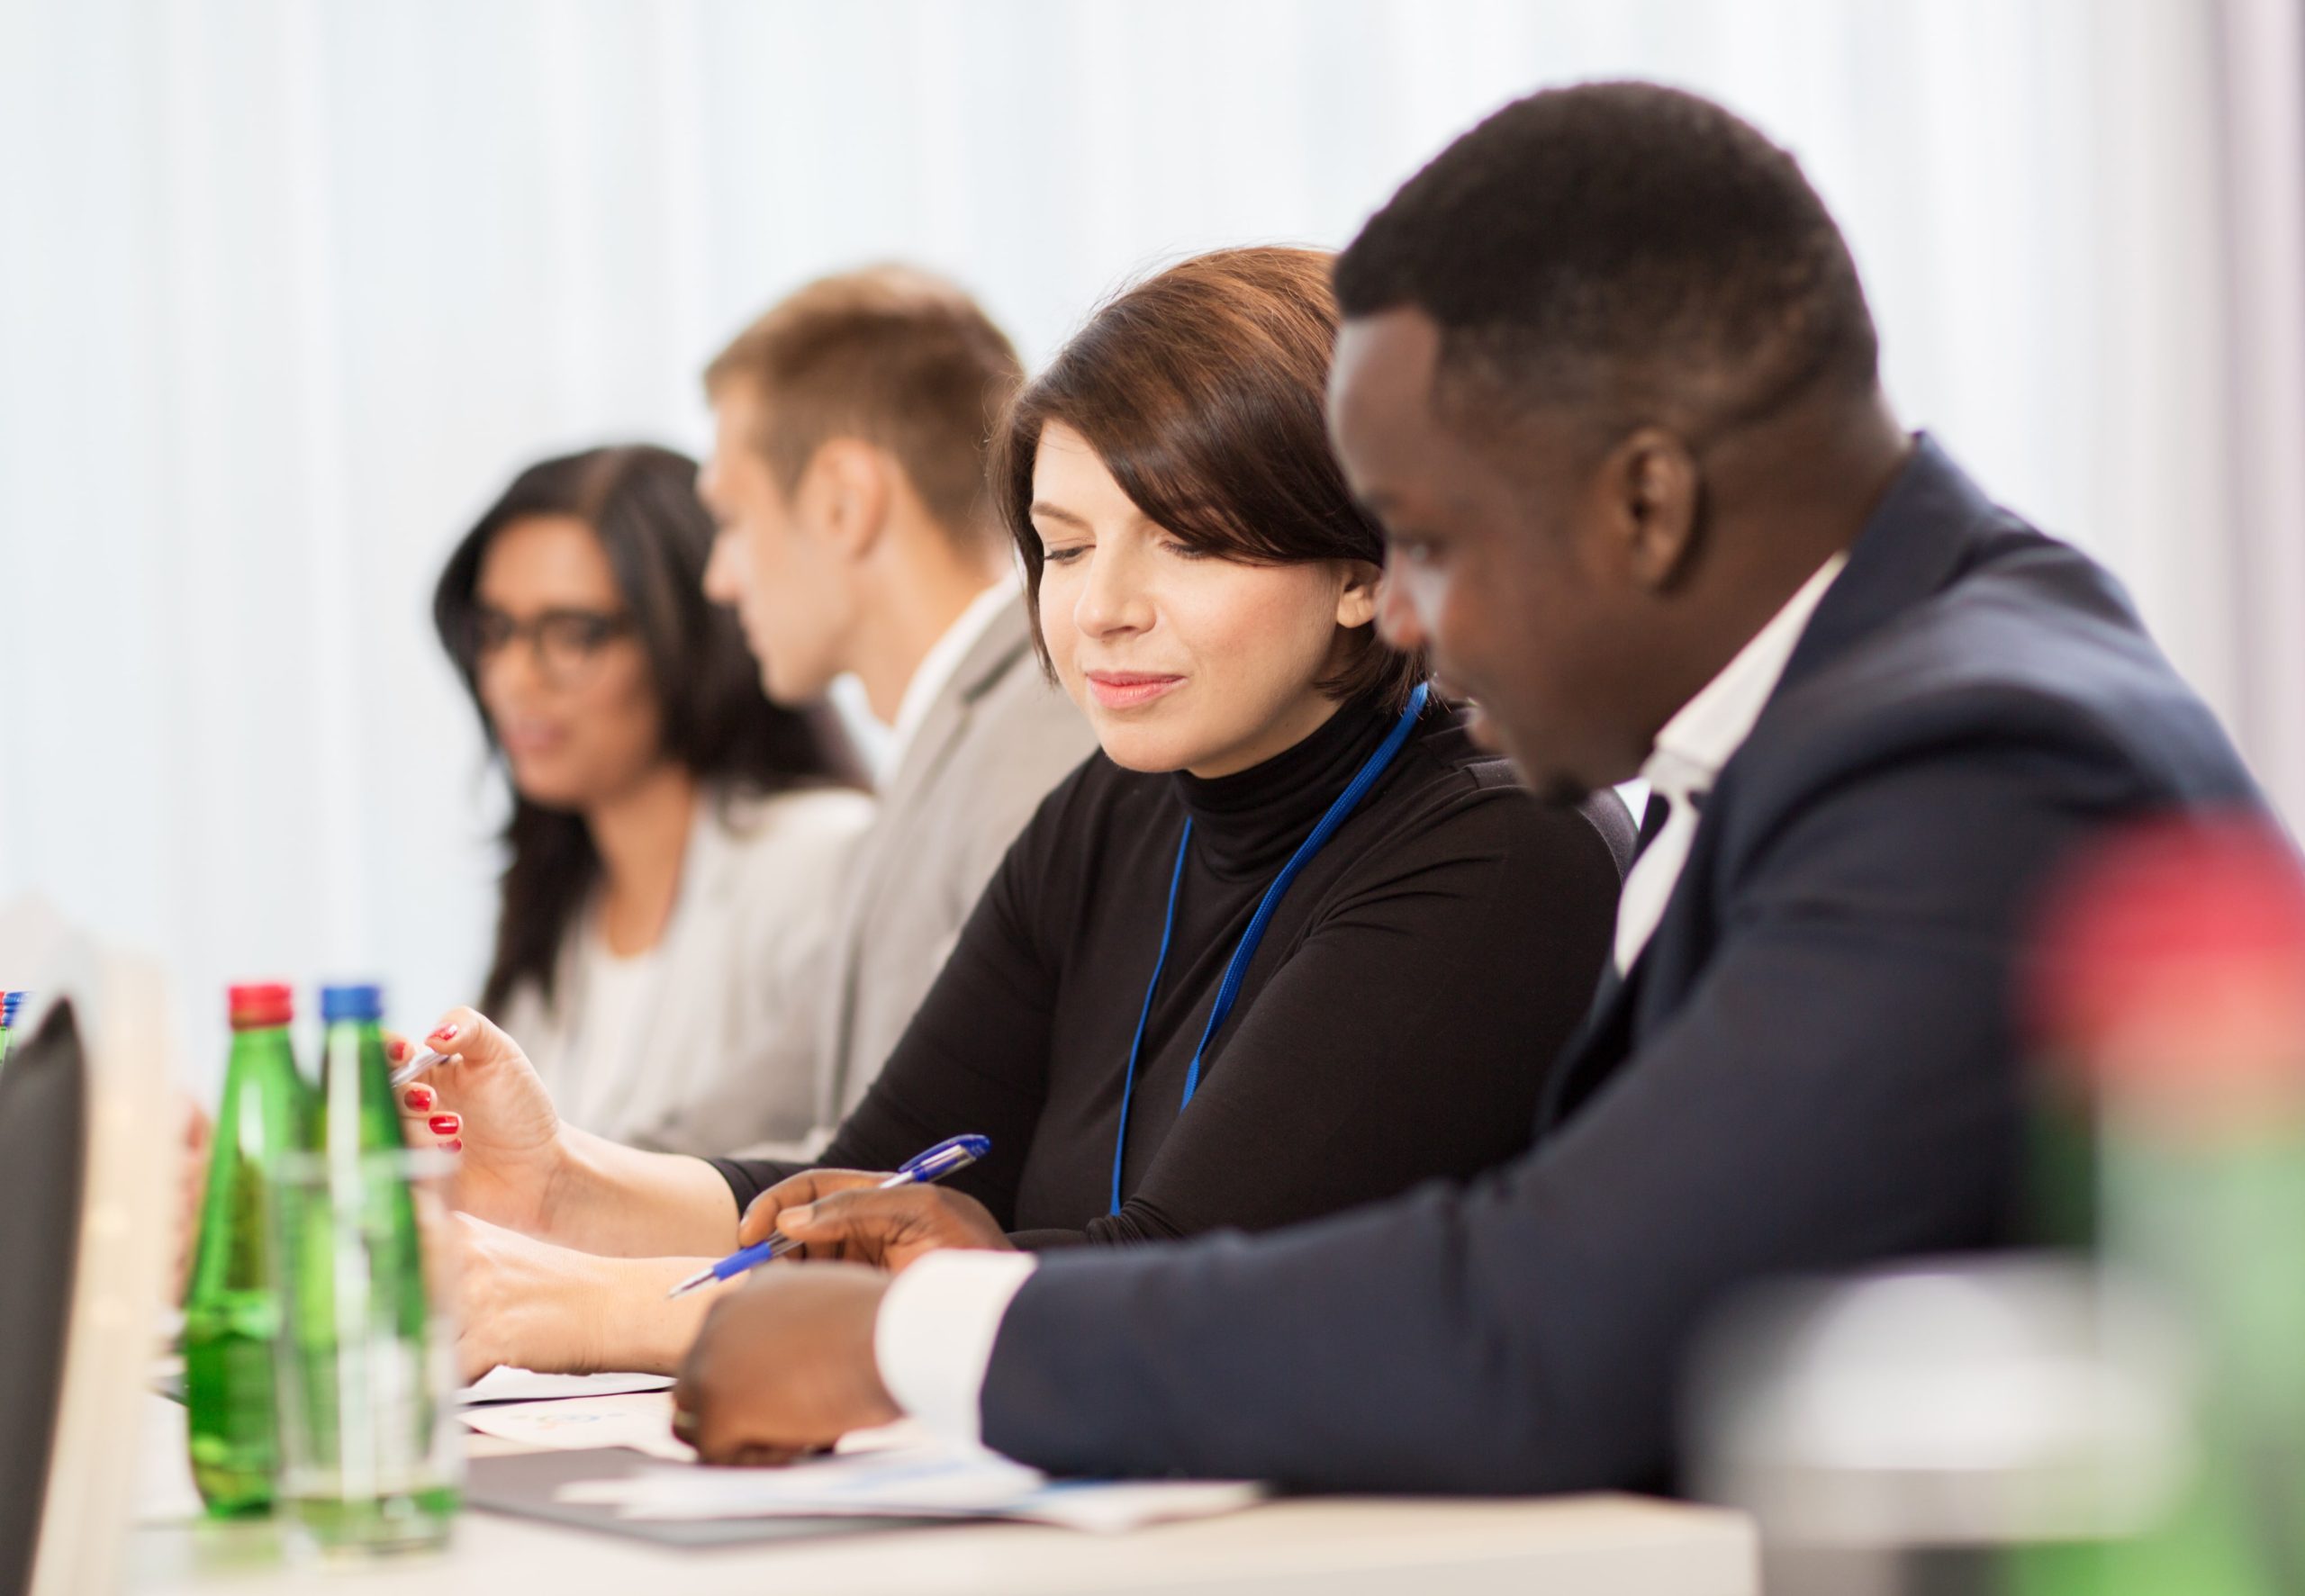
676 841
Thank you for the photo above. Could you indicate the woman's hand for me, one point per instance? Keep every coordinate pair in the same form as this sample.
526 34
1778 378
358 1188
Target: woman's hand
486 1104
536 1306
841 1215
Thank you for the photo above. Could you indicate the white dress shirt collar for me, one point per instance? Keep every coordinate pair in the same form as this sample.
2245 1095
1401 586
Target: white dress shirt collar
935 669
1694 746
1709 729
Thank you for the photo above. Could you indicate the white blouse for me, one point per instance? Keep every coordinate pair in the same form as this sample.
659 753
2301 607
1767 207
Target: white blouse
618 994
706 1042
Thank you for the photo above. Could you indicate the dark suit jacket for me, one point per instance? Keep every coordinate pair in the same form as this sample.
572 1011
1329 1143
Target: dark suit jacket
1812 1066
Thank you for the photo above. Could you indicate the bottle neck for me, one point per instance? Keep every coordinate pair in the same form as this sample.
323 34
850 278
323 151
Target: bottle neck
356 1113
258 1050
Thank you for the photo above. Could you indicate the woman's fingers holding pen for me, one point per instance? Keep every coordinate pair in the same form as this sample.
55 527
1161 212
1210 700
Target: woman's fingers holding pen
423 1123
761 1218
485 1101
890 1228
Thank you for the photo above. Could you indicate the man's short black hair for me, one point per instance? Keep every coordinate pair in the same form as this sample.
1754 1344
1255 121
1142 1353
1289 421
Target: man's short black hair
1633 251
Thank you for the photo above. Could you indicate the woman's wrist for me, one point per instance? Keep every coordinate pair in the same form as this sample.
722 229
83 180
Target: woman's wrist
623 1201
646 1330
569 1197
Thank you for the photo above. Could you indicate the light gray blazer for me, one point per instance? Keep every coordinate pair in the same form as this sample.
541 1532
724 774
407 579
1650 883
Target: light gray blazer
989 748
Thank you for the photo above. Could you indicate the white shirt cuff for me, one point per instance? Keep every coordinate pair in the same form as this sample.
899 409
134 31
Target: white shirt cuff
933 1338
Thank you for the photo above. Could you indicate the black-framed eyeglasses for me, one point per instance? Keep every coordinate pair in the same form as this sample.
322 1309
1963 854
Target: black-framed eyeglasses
565 644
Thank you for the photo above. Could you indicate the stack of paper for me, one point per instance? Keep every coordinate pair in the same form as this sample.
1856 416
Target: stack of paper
899 1472
639 1420
931 1480
505 1384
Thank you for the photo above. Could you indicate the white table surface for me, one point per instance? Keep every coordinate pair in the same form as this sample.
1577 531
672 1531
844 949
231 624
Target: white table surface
1607 1546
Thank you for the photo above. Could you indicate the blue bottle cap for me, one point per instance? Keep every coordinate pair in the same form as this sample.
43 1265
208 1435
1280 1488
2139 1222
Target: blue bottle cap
9 1003
352 1003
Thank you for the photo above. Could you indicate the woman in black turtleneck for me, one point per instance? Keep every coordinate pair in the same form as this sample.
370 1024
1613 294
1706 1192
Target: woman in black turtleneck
1394 1025
1203 584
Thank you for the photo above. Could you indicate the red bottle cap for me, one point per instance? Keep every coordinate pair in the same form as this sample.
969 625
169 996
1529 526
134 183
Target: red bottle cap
269 1002
2172 963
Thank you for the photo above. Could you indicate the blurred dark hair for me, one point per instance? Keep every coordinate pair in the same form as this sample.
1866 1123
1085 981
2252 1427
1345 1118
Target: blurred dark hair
1201 390
640 502
1634 252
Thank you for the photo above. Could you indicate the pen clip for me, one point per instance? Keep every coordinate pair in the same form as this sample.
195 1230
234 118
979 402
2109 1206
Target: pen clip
953 1153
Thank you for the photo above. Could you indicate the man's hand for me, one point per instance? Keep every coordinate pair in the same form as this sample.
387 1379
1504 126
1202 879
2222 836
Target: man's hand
794 1195
784 1365
840 1214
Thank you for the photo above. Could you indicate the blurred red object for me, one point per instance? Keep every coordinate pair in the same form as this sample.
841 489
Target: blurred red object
2171 969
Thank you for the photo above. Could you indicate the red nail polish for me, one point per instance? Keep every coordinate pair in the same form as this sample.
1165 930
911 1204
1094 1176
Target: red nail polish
455 1146
419 1098
446 1033
445 1125
396 1050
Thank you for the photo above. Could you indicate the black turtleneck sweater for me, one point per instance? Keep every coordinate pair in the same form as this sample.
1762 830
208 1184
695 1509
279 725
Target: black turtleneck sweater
1396 1024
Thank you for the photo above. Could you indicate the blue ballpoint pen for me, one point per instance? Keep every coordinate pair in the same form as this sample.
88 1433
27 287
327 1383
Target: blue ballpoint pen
947 1158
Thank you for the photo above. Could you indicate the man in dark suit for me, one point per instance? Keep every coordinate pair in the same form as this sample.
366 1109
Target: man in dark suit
1609 378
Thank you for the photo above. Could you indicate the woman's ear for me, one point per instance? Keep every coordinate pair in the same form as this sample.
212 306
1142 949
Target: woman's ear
1356 602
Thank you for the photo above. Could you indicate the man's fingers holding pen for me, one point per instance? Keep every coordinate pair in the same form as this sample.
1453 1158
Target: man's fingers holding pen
891 1228
763 1216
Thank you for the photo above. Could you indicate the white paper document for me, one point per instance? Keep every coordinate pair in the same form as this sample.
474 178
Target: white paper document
887 1437
640 1419
911 1481
507 1385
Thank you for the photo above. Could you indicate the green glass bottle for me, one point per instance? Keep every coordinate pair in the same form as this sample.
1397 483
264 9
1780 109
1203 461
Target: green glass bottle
232 1303
2175 971
366 1403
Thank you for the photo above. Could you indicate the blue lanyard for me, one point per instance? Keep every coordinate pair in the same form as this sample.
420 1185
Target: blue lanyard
1229 990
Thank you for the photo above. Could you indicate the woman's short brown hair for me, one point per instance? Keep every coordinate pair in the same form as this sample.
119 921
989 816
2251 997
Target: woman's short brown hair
1200 389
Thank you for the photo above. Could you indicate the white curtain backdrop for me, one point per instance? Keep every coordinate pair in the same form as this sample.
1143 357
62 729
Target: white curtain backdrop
288 289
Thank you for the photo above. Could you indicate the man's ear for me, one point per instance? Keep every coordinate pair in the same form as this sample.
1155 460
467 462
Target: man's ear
847 492
1653 496
1356 604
